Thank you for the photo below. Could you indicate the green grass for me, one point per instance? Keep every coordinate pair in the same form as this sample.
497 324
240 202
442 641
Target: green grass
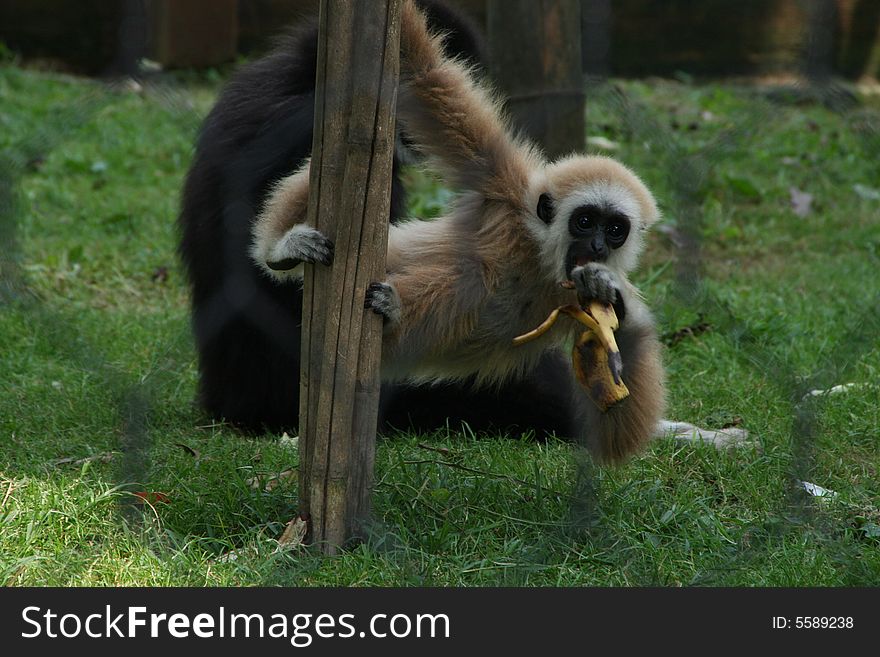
96 357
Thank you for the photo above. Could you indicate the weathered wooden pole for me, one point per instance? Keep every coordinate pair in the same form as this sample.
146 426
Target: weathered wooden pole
349 196
535 53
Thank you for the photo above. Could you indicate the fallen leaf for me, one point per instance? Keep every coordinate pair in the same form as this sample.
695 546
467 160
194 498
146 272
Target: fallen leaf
268 484
835 390
867 193
674 234
691 331
189 450
233 555
294 534
133 86
439 450
800 201
817 491
152 497
602 142
159 275
288 441
150 65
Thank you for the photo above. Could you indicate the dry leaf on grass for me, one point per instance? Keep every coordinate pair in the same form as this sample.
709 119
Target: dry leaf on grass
801 202
152 497
294 534
268 484
816 490
189 450
291 442
836 390
603 143
867 193
233 555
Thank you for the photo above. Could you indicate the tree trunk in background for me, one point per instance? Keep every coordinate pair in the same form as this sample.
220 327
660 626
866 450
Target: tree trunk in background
195 32
819 43
349 197
596 37
535 52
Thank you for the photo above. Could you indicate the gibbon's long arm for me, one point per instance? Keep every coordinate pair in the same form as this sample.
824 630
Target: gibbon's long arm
455 120
451 118
281 237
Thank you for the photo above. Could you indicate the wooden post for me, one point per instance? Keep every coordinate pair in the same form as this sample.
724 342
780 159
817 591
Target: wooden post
349 197
535 51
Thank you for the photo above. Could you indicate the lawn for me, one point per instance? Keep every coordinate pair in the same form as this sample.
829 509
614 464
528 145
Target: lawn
779 295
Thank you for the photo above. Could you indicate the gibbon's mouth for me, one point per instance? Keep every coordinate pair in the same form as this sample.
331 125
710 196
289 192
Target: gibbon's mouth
575 261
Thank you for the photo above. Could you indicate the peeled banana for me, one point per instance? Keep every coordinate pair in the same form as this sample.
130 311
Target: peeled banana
595 356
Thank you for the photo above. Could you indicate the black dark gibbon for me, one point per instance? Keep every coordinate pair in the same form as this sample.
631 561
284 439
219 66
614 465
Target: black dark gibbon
247 325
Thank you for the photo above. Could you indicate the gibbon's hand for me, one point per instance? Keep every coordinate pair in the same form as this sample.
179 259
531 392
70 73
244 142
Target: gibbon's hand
597 282
300 244
383 300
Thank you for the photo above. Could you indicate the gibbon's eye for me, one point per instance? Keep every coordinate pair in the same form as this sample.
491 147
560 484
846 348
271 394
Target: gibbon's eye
617 231
583 223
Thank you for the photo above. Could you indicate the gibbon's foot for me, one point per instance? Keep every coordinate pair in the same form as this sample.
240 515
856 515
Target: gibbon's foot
383 300
300 244
597 282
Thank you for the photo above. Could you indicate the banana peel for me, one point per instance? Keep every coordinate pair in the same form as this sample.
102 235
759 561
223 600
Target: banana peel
595 356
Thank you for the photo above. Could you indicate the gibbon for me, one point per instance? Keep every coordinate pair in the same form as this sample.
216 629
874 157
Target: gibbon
246 326
459 288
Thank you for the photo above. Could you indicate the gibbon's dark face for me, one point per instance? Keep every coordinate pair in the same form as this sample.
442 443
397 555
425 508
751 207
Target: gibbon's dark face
589 209
595 232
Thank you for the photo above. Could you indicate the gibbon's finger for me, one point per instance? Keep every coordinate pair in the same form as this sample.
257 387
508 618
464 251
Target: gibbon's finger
299 244
383 300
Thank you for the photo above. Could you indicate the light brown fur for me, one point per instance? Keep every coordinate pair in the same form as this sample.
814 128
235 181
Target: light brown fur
487 271
571 173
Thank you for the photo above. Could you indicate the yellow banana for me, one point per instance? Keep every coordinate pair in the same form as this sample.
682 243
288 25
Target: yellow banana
595 356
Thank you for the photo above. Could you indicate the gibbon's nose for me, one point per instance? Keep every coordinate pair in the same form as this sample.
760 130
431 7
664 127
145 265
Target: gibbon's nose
598 247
